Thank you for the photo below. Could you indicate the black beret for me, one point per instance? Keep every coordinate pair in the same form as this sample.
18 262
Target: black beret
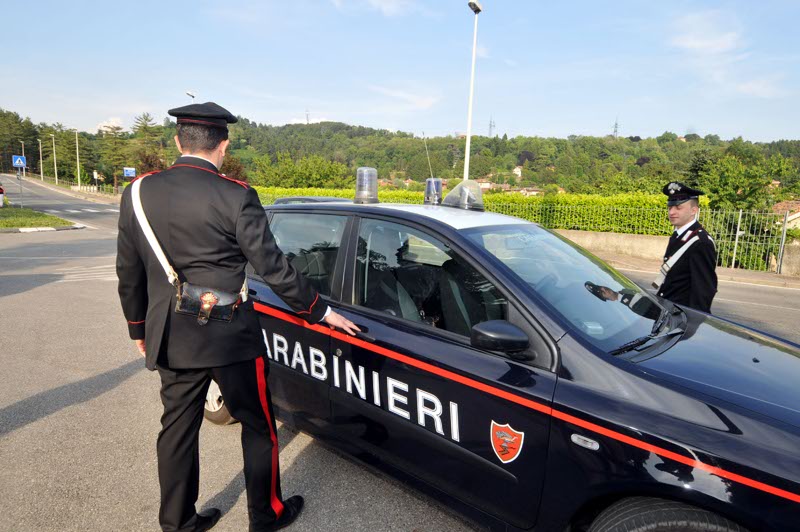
678 193
204 114
595 290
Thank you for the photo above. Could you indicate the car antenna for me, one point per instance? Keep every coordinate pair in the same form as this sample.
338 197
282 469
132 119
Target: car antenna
426 154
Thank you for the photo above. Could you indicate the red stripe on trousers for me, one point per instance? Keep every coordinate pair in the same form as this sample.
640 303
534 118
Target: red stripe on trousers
277 505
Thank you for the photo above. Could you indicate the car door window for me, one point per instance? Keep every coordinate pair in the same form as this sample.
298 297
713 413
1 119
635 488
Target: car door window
311 243
411 275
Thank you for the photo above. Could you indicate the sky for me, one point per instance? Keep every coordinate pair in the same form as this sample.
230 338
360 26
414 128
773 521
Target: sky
549 69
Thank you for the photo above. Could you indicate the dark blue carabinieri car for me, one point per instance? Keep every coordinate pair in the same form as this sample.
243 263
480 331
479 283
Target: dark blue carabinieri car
521 380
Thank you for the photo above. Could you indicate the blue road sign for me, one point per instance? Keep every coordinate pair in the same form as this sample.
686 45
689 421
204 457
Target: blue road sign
129 172
19 161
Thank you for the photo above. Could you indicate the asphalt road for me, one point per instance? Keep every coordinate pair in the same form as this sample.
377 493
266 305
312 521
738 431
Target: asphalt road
79 414
97 215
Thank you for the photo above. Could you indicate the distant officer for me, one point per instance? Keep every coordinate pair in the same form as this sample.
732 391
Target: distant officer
687 274
209 227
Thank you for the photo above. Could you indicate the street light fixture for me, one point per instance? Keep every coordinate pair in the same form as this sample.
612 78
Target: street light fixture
23 155
191 95
476 8
55 162
41 168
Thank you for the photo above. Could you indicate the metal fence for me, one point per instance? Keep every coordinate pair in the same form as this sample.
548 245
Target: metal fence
746 240
68 183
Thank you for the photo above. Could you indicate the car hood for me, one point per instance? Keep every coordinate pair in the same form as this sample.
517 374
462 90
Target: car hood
734 363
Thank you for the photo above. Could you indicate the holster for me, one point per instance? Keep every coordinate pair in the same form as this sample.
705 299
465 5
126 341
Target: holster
206 303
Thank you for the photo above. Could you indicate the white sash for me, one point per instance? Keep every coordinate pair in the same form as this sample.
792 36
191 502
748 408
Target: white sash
667 266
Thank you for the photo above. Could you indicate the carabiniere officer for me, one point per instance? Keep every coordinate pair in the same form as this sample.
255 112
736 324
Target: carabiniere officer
209 227
692 280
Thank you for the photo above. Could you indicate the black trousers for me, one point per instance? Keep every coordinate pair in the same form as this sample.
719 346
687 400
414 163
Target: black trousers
183 393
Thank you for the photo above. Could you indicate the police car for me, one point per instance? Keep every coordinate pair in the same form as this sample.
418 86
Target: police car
519 379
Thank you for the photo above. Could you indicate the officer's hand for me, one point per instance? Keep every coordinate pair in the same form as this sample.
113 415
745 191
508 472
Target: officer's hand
140 346
337 320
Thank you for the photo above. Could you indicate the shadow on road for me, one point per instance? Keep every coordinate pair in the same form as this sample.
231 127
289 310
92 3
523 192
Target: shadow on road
226 499
43 404
18 284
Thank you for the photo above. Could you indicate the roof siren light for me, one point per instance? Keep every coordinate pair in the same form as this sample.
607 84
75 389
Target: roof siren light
466 195
366 185
433 191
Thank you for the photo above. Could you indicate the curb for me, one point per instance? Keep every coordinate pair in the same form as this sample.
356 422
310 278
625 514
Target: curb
41 229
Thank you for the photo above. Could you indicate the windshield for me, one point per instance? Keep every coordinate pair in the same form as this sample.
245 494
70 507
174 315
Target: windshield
602 305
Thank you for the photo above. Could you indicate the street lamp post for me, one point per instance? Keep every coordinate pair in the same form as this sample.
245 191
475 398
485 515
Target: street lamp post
41 168
55 163
476 8
23 155
77 159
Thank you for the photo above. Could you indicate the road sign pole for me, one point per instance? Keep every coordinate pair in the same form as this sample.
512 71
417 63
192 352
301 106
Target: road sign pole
20 188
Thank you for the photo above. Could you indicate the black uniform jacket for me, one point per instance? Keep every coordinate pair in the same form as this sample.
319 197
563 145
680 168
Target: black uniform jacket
692 281
209 227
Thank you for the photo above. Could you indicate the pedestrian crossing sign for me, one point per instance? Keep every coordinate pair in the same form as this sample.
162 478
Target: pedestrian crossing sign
18 161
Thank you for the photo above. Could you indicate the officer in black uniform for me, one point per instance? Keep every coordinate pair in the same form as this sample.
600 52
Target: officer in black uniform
210 227
692 281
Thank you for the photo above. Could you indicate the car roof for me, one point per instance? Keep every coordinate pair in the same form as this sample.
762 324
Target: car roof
312 199
456 218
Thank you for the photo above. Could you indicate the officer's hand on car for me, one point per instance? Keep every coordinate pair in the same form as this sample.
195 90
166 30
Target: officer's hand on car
140 346
337 320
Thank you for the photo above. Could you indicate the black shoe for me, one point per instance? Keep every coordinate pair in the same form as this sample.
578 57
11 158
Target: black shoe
291 509
207 519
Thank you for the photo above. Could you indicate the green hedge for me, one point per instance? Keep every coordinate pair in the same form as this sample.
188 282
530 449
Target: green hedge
622 213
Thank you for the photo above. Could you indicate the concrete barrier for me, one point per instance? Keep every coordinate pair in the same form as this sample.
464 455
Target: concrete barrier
791 259
640 246
653 247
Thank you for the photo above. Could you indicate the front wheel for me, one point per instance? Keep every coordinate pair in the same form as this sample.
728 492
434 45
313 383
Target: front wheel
215 410
640 514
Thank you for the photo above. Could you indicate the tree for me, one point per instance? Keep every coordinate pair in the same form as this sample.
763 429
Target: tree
113 151
731 185
232 167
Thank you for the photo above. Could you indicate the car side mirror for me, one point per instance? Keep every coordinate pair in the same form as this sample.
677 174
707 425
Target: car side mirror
501 335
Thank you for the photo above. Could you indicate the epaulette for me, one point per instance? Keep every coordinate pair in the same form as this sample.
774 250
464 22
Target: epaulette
223 176
145 175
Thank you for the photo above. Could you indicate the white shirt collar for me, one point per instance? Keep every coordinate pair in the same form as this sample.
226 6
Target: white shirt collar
198 157
683 229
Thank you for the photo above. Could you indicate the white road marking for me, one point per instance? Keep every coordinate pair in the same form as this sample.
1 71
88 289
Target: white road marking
720 280
84 268
102 272
52 210
89 210
755 304
72 211
50 258
112 210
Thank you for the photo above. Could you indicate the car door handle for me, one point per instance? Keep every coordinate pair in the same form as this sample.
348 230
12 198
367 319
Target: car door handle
362 335
366 337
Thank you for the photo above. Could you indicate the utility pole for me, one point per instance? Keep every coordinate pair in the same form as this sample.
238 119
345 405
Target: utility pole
616 128
308 121
476 8
77 159
41 168
55 163
23 154
491 126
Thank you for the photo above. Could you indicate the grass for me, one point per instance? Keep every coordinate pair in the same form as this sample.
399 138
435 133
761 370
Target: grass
11 217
